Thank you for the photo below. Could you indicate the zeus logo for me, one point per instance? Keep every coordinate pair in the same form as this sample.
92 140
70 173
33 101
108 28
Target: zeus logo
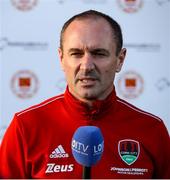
54 168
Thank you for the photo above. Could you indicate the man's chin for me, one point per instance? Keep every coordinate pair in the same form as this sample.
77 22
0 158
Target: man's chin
89 95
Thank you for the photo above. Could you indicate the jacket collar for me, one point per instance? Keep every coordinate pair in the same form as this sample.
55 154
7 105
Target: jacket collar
79 108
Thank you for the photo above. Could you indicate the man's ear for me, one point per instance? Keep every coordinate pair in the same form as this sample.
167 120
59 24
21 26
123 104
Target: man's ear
120 59
60 53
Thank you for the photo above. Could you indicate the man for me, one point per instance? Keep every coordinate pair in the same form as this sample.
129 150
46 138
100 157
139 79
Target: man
37 143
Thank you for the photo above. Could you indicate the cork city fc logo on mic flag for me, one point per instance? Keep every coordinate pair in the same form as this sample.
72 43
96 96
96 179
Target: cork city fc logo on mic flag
129 150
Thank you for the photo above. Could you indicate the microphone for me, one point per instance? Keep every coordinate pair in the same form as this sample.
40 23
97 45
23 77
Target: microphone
87 147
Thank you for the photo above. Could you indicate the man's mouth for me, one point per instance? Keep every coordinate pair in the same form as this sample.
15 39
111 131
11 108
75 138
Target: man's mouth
88 81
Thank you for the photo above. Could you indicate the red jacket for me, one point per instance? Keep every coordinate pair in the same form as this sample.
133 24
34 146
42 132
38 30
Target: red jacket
37 143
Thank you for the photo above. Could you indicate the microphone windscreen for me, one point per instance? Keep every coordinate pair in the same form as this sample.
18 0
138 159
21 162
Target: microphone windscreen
87 145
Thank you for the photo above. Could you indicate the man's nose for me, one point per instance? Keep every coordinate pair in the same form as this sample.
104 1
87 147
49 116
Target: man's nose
87 63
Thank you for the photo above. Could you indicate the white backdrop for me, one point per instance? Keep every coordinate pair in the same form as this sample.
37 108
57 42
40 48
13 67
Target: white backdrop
29 65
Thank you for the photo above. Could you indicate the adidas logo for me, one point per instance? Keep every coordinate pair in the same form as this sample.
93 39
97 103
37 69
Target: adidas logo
59 152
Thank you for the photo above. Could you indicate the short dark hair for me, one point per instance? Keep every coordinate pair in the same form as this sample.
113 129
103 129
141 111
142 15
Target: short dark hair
117 32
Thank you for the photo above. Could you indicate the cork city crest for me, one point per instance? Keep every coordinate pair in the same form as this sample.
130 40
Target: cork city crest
129 150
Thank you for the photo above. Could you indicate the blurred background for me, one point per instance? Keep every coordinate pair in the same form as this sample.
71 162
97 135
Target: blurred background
29 65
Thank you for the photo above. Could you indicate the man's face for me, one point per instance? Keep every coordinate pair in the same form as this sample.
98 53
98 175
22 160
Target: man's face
89 59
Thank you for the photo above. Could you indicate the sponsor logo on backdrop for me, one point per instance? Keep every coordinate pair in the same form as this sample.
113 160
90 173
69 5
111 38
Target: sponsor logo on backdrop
163 84
130 6
130 84
24 84
162 2
143 47
24 5
26 45
61 1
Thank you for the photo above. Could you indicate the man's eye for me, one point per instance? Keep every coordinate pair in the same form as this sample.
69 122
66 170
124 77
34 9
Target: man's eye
100 54
77 54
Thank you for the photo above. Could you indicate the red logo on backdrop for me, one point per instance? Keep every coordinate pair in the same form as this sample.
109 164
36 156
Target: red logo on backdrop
130 6
24 5
24 84
130 84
